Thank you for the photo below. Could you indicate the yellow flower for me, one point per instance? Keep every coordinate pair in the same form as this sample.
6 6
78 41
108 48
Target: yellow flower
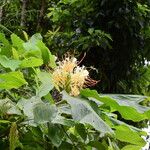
59 78
70 77
75 91
78 76
68 64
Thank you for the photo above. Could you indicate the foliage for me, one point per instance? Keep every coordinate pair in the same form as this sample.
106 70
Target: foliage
141 82
18 15
73 27
30 118
113 34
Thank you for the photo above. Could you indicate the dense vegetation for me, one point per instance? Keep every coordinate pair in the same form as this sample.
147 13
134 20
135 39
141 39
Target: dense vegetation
32 117
114 34
45 100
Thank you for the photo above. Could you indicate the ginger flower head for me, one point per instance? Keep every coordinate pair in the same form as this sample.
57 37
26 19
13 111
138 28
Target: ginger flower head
70 77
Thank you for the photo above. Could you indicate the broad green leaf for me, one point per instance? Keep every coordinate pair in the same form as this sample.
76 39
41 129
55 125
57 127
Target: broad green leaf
91 30
130 100
8 107
35 38
63 121
125 134
27 105
46 84
28 46
97 145
105 100
118 122
33 53
131 113
4 121
11 80
52 62
9 63
31 47
80 128
31 62
45 52
5 105
33 147
133 102
127 112
84 113
3 39
17 43
64 109
56 134
66 146
32 50
131 147
6 47
46 55
44 112
15 53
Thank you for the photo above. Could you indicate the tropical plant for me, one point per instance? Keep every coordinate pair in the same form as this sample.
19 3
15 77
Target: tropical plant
114 35
33 118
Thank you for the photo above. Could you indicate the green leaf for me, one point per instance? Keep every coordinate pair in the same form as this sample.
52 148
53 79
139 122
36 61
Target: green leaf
46 84
65 146
125 134
9 63
17 43
56 134
97 145
131 147
4 121
49 98
127 112
33 53
45 52
130 100
28 46
36 37
80 128
52 62
130 113
31 62
8 107
6 47
5 105
31 48
27 105
83 112
63 121
44 113
105 100
91 30
15 53
12 80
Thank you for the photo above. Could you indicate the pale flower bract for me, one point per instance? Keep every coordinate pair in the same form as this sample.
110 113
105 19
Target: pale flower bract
69 76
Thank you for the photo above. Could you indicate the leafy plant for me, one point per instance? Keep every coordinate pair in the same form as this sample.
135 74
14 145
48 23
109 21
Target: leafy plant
30 118
113 34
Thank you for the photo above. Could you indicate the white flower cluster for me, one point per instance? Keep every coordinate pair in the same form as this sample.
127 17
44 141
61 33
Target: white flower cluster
69 76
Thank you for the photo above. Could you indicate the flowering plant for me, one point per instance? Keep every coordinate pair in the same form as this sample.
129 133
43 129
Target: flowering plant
71 77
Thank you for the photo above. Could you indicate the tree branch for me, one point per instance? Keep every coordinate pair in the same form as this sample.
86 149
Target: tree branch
23 13
41 15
